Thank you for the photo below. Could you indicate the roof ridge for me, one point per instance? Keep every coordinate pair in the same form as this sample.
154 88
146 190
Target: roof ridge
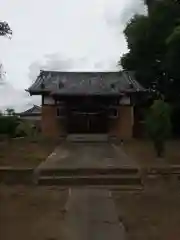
58 71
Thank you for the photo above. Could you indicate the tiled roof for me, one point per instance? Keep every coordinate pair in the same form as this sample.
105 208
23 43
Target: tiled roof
34 111
68 83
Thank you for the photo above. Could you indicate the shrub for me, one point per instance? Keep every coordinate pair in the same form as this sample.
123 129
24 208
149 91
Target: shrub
8 125
158 124
25 129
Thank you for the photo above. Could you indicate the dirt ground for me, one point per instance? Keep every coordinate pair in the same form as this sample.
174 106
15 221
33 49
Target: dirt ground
153 214
31 212
38 212
24 152
143 152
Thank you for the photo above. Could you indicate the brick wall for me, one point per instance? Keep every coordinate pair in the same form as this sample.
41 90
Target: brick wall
125 123
49 122
123 126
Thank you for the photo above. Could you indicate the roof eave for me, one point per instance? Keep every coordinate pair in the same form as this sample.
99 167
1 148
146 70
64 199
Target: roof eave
55 94
30 115
37 92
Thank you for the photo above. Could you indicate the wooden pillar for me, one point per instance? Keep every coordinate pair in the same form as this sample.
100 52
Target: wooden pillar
125 122
49 122
122 125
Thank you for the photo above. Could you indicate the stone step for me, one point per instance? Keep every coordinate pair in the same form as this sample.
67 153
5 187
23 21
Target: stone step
87 137
87 171
89 180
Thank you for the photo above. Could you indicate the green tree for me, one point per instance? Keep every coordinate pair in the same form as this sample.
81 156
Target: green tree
153 47
10 111
173 53
8 125
158 125
5 29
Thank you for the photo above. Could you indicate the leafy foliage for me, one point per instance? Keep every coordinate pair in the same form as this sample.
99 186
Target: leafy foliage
173 53
8 125
154 49
158 120
5 29
158 123
25 129
10 111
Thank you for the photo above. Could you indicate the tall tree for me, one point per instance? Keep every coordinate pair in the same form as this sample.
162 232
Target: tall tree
10 111
5 29
153 43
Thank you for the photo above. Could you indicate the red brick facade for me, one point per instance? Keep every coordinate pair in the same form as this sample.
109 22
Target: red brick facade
121 127
125 122
49 123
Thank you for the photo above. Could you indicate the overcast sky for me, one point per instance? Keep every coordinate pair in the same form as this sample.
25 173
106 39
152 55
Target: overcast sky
59 35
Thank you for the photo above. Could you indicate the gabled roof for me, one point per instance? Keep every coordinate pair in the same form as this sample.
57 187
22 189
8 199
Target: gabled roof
92 83
34 111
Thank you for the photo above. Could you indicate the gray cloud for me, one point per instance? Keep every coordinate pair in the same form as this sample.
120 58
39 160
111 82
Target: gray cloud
11 97
132 8
58 62
34 69
53 62
120 16
71 35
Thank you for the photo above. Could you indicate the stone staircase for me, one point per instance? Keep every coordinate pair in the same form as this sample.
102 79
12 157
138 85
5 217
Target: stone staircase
121 177
87 138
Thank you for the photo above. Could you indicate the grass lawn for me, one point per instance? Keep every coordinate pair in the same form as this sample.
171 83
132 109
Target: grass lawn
31 212
143 152
24 153
151 214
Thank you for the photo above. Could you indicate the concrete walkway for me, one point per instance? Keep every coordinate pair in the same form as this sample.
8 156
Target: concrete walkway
91 215
87 155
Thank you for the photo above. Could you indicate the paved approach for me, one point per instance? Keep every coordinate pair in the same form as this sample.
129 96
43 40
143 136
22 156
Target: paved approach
91 215
87 155
91 212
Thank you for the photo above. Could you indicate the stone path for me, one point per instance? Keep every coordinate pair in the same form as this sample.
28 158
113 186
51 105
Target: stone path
87 155
91 212
91 215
